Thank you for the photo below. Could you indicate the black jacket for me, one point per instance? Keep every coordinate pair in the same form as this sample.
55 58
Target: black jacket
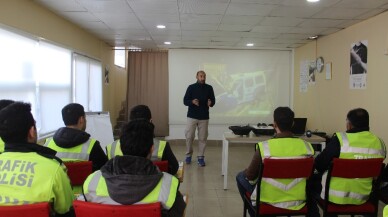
129 179
66 137
169 156
202 92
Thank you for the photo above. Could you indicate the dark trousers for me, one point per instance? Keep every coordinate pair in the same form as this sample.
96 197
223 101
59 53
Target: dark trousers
244 186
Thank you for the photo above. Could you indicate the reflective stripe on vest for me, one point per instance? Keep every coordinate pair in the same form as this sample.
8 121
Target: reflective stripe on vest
159 147
346 148
267 154
164 192
83 155
284 193
114 149
354 191
349 195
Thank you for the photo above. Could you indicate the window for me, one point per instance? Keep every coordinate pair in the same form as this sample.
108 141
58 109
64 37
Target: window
120 56
40 73
88 82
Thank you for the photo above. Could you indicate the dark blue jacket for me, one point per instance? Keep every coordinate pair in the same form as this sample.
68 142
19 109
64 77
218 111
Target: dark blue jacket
202 92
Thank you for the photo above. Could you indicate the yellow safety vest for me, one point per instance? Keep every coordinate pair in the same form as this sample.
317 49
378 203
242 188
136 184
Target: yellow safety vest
96 190
78 153
385 211
284 193
2 144
28 178
114 149
360 145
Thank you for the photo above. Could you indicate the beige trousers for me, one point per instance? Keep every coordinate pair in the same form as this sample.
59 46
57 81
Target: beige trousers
191 126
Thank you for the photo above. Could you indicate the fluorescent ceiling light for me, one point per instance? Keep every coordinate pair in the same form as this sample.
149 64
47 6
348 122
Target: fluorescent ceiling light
313 37
313 0
167 42
161 26
250 44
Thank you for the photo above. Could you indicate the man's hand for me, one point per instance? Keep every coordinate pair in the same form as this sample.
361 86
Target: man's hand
195 102
209 102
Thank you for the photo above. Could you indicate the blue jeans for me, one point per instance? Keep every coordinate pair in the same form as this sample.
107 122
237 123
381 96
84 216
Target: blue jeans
244 186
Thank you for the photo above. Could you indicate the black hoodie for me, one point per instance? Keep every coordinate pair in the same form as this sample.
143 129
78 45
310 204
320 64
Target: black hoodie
129 179
66 137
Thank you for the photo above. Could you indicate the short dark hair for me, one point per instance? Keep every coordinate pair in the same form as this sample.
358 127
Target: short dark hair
137 138
140 112
284 118
71 113
358 117
5 102
15 121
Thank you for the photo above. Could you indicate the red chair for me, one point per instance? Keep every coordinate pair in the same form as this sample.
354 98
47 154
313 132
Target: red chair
352 169
78 171
279 169
35 210
88 209
163 165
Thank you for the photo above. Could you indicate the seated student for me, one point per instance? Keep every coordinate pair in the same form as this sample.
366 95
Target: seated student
356 143
30 173
4 103
162 150
283 145
72 143
132 178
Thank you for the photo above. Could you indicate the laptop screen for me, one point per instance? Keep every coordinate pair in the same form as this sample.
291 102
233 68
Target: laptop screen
299 126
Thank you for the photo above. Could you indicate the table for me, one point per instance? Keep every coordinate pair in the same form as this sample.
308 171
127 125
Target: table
229 137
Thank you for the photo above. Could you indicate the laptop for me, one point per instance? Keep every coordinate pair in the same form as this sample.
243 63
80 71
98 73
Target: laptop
299 126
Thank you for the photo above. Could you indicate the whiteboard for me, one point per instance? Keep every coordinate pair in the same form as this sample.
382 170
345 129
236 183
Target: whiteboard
99 127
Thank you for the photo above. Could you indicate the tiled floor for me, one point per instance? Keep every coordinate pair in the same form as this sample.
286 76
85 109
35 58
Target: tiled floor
204 185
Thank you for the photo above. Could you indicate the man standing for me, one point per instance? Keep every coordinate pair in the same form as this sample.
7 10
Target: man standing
72 143
30 173
198 97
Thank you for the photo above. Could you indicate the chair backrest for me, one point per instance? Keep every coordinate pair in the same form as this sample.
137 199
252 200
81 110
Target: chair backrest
287 168
35 210
356 168
88 209
163 165
78 171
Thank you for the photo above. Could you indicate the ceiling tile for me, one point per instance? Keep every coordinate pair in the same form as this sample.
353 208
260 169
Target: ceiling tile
281 21
60 5
236 28
113 7
197 26
154 7
241 19
292 11
249 9
199 33
200 18
361 3
340 13
329 23
201 7
271 29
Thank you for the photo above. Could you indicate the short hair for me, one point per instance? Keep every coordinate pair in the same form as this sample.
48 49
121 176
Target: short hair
140 112
15 121
5 102
358 117
201 71
71 113
284 118
137 138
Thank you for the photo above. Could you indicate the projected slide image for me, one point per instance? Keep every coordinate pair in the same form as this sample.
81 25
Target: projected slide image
238 93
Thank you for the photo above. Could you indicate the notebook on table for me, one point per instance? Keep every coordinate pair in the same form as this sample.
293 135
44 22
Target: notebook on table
299 126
